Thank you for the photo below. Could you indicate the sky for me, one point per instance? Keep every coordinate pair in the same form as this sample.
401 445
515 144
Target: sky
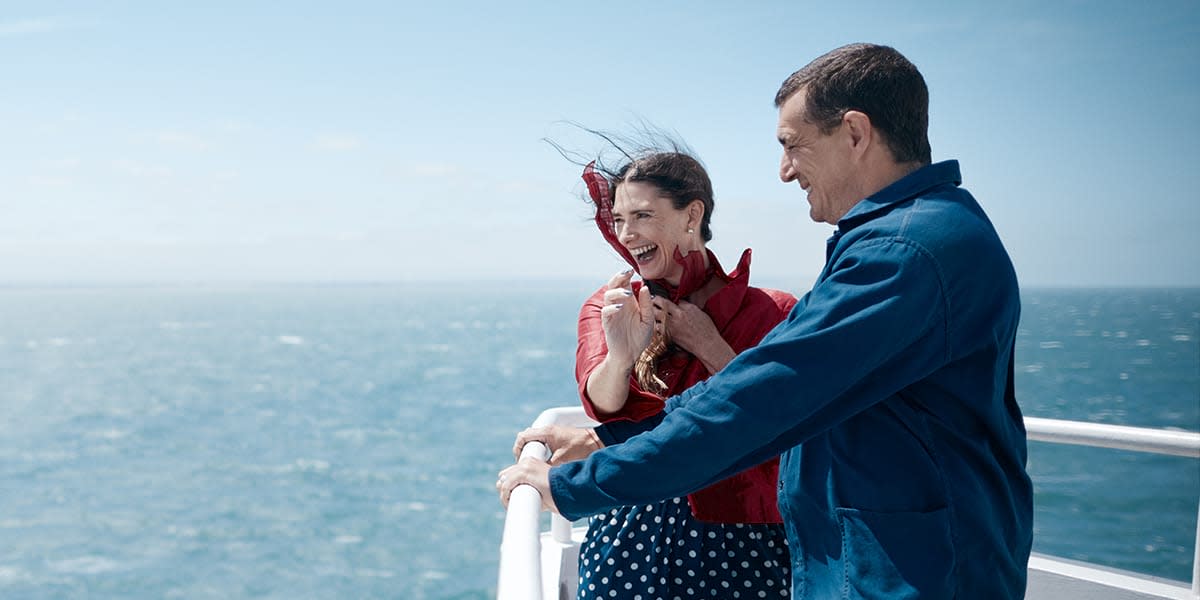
172 142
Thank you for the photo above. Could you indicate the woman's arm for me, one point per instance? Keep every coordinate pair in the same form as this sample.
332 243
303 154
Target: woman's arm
608 385
624 327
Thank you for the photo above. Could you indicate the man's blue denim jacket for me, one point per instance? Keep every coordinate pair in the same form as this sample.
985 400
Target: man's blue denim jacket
888 391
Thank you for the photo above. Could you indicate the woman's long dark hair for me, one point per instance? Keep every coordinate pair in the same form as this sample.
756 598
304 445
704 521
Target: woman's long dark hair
653 156
657 158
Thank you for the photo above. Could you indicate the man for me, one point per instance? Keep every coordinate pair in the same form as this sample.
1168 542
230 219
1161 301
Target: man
888 388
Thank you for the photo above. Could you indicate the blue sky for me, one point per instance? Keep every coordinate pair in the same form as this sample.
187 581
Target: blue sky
247 142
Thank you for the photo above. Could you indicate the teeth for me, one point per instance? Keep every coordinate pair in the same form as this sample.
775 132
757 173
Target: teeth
642 249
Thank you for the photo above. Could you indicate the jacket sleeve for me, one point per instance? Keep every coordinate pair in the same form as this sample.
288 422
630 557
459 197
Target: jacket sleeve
617 432
773 309
875 324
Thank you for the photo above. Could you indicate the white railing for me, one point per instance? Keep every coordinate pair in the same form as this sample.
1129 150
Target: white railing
520 550
1156 441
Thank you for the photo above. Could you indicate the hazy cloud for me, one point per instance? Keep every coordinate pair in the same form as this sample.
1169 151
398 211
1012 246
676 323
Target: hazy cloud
31 26
180 139
48 181
139 169
433 170
338 142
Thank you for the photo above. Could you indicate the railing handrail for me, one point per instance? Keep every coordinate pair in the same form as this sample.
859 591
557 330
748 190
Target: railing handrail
520 550
1122 437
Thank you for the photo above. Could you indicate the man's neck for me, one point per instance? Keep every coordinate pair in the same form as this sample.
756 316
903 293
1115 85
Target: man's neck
886 175
879 176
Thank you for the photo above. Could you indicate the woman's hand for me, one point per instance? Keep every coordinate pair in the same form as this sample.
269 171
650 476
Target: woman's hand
566 444
693 330
627 319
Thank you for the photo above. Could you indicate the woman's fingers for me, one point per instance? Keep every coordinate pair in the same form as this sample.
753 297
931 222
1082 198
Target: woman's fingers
665 307
620 280
646 305
617 296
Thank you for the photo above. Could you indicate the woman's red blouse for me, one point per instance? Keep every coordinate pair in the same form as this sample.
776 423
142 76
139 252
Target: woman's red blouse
743 315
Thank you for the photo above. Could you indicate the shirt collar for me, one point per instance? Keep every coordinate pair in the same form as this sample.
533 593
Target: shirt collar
724 304
909 186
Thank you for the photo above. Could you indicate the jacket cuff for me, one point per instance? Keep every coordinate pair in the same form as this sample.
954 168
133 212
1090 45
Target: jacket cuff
573 496
616 432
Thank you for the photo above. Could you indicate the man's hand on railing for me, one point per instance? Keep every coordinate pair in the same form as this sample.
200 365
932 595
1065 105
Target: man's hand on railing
530 471
566 444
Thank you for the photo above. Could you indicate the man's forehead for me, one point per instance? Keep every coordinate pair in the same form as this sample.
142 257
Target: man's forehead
791 115
790 130
794 106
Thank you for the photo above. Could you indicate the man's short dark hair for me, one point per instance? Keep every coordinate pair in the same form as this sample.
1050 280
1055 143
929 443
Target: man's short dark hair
875 80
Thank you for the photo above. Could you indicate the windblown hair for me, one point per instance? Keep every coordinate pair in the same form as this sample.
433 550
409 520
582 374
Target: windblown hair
656 158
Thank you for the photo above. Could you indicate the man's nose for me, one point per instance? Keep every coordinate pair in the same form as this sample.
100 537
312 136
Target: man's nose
786 173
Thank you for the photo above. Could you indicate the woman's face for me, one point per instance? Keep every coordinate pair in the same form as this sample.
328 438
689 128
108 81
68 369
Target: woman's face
650 227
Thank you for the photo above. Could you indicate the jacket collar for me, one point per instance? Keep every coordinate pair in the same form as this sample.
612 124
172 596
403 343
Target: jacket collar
909 186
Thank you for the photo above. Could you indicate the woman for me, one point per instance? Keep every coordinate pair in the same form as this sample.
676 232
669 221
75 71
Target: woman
725 541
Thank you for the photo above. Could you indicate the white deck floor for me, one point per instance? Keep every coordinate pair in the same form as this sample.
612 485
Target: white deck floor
1052 578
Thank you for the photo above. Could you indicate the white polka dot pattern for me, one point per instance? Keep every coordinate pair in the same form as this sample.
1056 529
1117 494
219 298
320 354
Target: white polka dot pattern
659 551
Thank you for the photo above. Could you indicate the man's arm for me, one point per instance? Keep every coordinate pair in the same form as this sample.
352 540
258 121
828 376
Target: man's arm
875 325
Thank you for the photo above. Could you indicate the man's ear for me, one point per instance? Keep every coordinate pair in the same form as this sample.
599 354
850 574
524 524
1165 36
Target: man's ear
858 127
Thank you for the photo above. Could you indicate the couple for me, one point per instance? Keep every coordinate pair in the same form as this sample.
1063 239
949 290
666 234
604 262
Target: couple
887 388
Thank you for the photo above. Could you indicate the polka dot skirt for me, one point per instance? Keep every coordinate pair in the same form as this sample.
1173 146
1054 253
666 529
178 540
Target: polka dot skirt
659 551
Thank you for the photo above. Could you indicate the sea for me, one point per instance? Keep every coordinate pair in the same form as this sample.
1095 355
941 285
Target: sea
342 441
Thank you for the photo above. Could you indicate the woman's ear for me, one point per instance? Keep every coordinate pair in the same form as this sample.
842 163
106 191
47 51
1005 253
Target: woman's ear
695 214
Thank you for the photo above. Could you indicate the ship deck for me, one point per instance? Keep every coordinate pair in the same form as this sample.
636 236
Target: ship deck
523 576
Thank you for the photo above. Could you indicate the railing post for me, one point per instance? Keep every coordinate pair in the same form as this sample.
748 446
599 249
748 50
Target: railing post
1196 558
521 547
560 529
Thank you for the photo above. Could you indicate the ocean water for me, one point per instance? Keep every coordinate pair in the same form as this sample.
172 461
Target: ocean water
342 441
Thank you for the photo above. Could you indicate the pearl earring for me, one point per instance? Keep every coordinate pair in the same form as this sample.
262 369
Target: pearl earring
690 230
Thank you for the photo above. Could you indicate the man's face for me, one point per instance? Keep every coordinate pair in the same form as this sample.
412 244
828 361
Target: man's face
820 163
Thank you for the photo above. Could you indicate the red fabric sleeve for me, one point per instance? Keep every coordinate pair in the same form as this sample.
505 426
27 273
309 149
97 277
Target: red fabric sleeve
590 352
743 315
